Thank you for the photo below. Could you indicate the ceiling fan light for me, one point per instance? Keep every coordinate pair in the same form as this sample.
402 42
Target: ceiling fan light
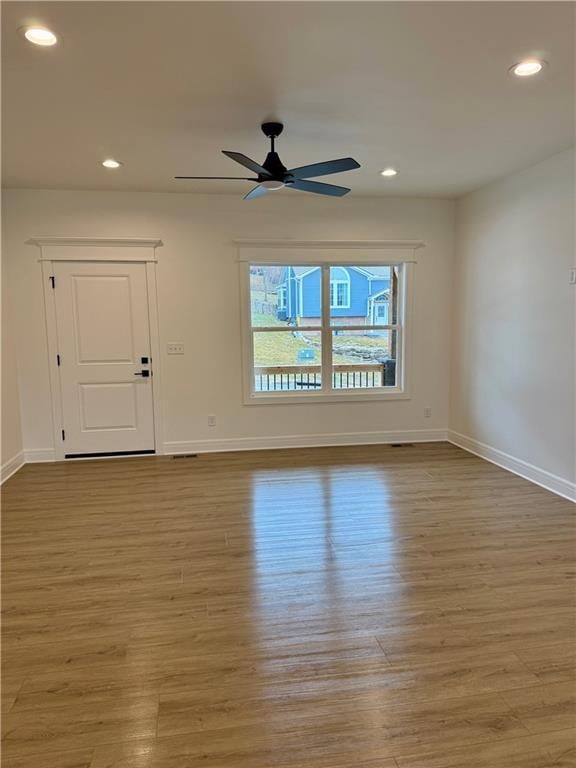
272 184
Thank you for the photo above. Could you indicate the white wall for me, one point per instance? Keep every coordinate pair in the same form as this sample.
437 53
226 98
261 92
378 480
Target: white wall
11 445
514 322
199 302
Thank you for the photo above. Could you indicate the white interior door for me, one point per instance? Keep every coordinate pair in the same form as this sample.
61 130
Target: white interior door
104 348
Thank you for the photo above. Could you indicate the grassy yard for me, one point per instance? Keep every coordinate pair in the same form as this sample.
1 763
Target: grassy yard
259 320
361 341
280 349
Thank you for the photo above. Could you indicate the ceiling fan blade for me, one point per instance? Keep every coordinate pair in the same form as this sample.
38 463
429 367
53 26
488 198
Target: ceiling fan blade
247 163
236 178
320 189
323 169
258 191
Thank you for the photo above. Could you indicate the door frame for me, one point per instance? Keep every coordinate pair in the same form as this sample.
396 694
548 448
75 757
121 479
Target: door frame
98 249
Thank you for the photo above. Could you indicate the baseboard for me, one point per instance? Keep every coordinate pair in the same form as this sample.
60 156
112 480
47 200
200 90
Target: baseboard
540 477
34 455
11 466
305 441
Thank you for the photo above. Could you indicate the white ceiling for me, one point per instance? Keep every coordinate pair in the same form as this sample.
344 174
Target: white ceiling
164 86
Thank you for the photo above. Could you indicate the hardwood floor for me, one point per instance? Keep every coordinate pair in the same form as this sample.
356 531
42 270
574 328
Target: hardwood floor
361 607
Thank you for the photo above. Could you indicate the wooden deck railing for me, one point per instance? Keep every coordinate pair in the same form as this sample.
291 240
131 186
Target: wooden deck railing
299 377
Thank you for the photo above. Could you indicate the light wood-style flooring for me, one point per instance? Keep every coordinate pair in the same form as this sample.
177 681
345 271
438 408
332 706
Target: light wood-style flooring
358 607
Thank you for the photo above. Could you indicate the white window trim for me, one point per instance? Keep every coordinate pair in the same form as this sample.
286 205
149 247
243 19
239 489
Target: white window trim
356 252
336 283
272 253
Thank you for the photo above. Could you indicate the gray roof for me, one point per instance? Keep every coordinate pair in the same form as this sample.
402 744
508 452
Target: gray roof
381 272
302 270
378 272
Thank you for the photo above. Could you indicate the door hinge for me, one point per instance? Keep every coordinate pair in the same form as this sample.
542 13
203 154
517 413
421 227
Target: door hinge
58 360
53 281
63 435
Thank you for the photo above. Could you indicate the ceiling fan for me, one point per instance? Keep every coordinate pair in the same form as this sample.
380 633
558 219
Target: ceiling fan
272 174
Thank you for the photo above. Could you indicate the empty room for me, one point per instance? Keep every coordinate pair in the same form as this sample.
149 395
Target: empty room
288 446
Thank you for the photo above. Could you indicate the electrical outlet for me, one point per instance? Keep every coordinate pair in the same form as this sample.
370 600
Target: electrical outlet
572 277
211 420
175 348
427 412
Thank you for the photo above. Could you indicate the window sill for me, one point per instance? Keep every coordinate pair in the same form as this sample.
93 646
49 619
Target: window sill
348 396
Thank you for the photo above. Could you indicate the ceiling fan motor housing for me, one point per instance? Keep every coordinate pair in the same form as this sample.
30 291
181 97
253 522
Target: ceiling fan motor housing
274 166
272 130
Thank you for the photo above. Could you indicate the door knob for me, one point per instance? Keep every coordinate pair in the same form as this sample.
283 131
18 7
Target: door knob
144 374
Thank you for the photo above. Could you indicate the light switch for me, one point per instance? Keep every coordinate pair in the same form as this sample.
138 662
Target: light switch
175 348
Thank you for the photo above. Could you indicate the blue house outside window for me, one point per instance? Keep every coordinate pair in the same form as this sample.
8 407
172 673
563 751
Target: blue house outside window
355 292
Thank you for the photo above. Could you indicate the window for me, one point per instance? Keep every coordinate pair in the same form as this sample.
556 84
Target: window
282 297
339 288
324 331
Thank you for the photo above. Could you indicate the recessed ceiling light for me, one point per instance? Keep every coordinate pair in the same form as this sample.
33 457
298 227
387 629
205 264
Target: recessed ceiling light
389 172
40 36
111 163
527 68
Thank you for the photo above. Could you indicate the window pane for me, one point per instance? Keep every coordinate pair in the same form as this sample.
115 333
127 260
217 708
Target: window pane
361 295
287 360
363 359
285 295
395 273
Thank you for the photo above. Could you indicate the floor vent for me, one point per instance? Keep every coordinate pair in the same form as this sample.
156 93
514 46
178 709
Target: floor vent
402 445
185 456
